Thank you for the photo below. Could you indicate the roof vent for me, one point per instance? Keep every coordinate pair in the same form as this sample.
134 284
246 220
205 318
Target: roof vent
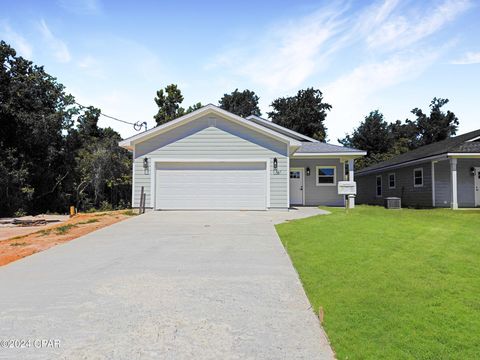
393 203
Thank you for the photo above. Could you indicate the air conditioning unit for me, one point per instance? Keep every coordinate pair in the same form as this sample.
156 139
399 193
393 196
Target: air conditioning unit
393 203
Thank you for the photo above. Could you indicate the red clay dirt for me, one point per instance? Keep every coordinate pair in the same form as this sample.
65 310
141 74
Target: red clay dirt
19 247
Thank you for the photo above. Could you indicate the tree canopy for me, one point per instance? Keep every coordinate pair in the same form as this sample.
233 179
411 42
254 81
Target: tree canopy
242 103
382 140
47 143
305 113
168 101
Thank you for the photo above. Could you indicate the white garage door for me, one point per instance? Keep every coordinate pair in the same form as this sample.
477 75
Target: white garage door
213 186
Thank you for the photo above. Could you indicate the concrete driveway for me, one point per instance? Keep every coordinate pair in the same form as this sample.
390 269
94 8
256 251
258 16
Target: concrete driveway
164 285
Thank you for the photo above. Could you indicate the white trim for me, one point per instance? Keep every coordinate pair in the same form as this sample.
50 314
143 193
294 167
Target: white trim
132 141
474 139
288 183
330 155
351 170
133 178
477 197
433 183
376 186
453 173
280 127
404 164
155 160
267 169
394 181
418 185
302 169
334 167
463 155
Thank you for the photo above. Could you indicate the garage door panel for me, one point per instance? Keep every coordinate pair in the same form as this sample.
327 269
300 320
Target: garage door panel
211 186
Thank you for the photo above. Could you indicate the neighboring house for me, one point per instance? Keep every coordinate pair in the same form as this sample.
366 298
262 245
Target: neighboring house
443 174
213 159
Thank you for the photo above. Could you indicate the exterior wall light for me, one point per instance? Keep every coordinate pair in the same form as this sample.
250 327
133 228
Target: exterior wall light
308 171
472 170
145 163
275 163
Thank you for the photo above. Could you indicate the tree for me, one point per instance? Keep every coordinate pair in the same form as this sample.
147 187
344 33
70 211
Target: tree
436 127
169 102
47 163
244 103
35 113
304 113
373 135
193 107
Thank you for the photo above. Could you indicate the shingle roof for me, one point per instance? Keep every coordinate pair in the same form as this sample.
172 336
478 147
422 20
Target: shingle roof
319 147
455 144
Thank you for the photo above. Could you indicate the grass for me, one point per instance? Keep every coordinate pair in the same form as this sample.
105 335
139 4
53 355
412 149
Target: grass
393 284
89 221
61 230
130 212
44 232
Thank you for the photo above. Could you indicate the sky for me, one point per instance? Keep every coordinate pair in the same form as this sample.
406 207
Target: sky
389 55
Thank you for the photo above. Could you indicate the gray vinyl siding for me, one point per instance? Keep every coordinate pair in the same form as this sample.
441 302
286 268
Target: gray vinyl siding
212 137
320 195
465 183
404 188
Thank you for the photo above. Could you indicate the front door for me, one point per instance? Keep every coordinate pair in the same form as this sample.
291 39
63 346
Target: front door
296 186
477 186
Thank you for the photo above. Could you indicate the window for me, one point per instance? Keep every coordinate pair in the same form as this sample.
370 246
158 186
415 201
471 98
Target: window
326 175
391 181
418 177
379 185
294 174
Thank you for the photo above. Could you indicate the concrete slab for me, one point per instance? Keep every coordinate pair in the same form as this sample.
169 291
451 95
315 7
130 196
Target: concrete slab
164 285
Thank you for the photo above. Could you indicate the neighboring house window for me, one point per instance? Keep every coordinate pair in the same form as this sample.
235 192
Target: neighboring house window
326 175
379 185
392 182
418 177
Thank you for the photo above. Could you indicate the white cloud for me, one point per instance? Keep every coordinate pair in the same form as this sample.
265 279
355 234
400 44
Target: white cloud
399 31
81 6
288 53
468 59
17 41
351 95
59 48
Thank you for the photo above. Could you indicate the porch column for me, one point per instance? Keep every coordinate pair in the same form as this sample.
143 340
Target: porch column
351 198
453 170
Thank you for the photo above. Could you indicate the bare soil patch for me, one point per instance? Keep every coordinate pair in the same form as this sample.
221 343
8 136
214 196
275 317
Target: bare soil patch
45 237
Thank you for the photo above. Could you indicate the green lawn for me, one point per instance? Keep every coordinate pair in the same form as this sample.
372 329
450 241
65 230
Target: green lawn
394 284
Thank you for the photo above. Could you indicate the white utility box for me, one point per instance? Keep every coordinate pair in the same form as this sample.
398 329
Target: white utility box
347 188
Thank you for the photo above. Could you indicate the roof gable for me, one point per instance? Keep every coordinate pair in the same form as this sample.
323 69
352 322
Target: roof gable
129 143
458 144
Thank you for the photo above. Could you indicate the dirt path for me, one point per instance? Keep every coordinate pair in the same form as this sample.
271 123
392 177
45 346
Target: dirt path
19 247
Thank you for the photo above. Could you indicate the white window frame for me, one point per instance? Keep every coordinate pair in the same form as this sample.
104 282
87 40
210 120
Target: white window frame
376 186
414 171
334 175
394 181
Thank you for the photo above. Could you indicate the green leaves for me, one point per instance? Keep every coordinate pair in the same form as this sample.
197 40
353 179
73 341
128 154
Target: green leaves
244 103
304 113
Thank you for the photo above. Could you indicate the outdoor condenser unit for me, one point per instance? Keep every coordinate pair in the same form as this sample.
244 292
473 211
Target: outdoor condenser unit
393 203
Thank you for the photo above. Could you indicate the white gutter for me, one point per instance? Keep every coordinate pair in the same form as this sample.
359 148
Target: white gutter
404 164
463 155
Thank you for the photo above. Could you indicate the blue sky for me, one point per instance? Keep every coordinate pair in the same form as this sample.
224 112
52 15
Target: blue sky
388 55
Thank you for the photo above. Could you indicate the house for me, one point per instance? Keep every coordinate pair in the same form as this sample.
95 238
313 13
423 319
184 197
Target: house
213 159
443 174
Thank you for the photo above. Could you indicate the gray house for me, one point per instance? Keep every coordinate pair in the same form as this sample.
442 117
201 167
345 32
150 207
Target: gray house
443 174
213 159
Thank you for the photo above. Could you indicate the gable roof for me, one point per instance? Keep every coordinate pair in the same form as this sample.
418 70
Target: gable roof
205 110
325 148
271 125
465 143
